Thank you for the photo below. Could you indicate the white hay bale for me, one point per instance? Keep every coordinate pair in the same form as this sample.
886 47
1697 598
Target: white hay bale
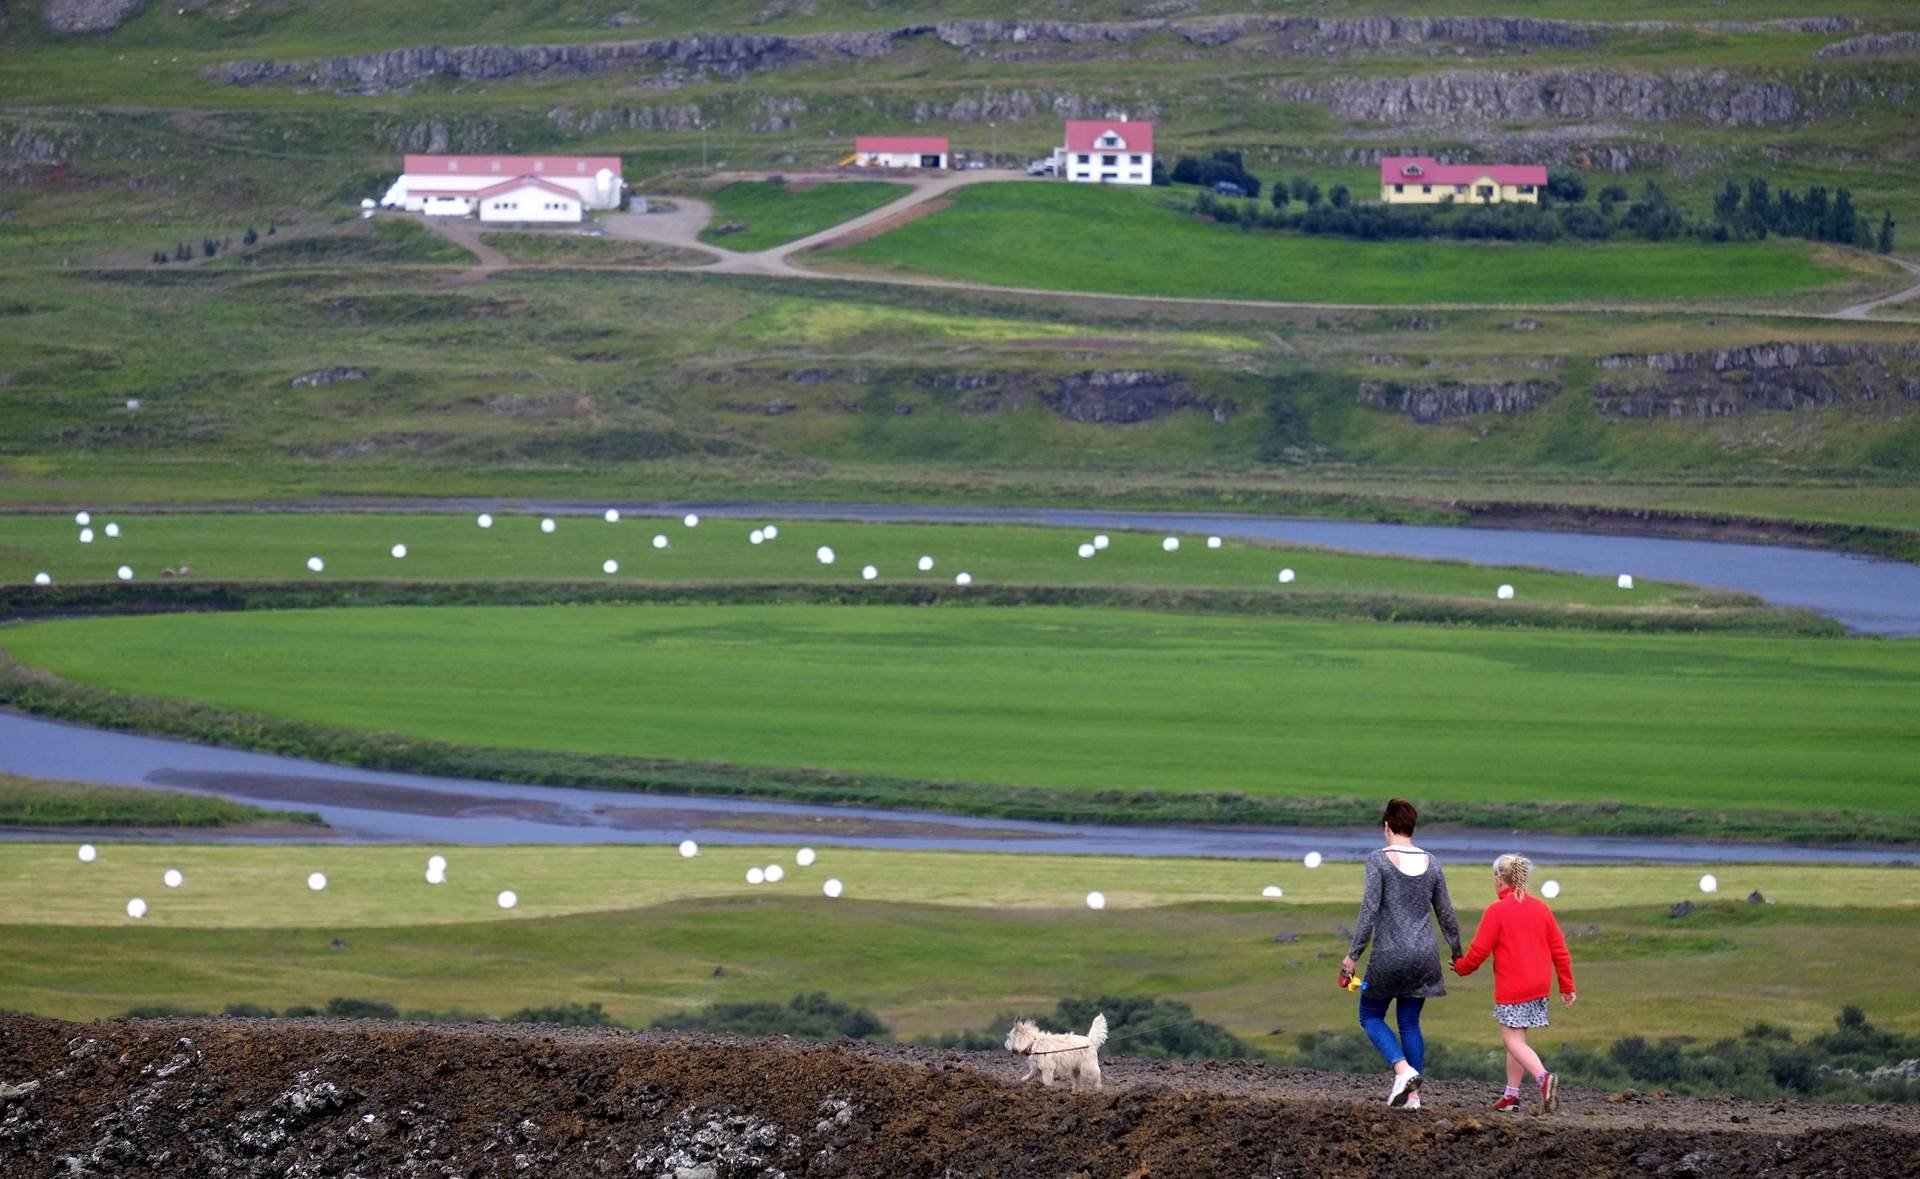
399 552
756 875
1272 890
611 515
963 579
1086 550
1504 593
1213 542
173 878
925 564
772 531
136 908
775 873
43 578
1313 859
659 540
87 853
688 849
86 536
547 525
484 520
756 537
1101 541
609 566
1096 899
316 565
317 881
832 887
507 898
124 573
869 572
824 555
1286 577
1624 581
113 530
83 518
803 857
690 520
1550 889
1709 883
1170 545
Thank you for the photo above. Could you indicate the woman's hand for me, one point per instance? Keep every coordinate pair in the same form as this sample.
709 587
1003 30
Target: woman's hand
1346 964
1567 998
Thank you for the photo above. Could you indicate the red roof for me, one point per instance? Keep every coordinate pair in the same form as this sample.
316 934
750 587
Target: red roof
1423 170
506 186
511 165
925 144
1082 134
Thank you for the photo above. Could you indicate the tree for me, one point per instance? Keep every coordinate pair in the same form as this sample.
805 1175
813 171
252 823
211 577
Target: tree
1279 196
1160 177
1760 209
1885 242
1843 223
1566 186
1311 196
1727 204
1299 186
209 247
250 237
1339 196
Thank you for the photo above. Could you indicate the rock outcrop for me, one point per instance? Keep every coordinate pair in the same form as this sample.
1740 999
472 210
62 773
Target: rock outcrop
89 16
1777 377
1493 96
1435 401
1122 396
1872 45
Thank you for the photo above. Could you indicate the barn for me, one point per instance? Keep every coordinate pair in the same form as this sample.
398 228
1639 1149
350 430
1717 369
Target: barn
899 151
508 188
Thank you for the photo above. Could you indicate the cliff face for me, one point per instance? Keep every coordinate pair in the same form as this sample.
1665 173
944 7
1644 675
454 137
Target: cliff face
89 16
1435 401
1776 377
1487 96
1873 45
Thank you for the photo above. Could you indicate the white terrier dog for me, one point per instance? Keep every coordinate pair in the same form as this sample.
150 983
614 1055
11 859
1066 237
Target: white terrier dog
1059 1053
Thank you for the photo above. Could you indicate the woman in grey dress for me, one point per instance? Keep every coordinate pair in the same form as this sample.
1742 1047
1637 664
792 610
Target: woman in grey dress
1405 889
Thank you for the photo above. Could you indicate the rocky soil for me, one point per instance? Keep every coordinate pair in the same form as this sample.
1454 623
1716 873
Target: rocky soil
220 1098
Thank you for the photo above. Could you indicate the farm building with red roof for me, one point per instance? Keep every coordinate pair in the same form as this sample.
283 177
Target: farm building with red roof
1420 180
508 188
1106 151
899 151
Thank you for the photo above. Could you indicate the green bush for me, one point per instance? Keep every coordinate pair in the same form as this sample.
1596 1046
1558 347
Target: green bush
361 1009
806 1017
1160 1029
573 1015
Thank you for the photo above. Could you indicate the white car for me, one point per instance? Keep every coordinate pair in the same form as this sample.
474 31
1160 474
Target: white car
1040 168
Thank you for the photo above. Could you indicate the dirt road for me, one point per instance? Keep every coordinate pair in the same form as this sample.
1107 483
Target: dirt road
212 1098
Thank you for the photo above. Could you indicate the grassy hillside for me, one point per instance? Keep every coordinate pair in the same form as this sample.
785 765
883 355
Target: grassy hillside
1064 698
640 931
36 803
1065 237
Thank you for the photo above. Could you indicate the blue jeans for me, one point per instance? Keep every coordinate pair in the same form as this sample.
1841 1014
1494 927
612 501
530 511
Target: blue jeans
1411 1046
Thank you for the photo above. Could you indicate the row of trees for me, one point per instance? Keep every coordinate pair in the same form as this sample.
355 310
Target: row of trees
1752 212
1650 216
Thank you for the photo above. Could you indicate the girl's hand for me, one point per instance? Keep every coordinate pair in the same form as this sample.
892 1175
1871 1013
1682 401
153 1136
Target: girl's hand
1346 964
1567 998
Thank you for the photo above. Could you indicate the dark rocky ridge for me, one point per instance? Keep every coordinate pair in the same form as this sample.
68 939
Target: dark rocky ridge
1121 396
89 16
1713 96
1491 96
1435 401
1777 377
1872 45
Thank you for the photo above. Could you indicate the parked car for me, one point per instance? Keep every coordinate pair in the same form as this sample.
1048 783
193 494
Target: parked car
1229 188
975 165
1040 168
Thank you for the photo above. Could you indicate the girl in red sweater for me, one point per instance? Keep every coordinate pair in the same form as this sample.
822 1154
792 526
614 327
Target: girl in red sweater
1519 932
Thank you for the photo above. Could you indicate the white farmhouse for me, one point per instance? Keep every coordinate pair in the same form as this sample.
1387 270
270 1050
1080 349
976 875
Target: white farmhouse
1106 151
555 189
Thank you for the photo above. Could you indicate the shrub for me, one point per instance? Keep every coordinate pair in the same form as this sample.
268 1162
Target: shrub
1565 186
361 1009
247 1011
1220 167
164 1011
573 1015
807 1017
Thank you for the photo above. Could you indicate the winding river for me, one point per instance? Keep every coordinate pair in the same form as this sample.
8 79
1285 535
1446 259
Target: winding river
1869 595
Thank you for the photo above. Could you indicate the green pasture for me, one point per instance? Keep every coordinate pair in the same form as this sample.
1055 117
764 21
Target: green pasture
1086 237
276 546
443 547
931 941
776 212
1068 699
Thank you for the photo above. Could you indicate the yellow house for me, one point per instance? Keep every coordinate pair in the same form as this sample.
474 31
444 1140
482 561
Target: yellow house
1419 180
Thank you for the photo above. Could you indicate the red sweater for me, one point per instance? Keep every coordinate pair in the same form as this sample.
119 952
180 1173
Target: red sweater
1524 940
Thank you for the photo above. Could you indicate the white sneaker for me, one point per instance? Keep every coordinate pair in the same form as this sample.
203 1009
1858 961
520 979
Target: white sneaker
1405 1085
1413 1101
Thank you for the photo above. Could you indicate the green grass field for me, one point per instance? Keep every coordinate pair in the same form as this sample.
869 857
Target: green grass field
33 802
933 942
572 249
454 548
775 212
1083 237
1066 698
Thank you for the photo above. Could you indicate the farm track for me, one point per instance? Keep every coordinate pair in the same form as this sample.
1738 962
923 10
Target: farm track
681 229
211 1098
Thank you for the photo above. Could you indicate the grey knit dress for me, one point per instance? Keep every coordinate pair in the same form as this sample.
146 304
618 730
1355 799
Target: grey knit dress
1394 916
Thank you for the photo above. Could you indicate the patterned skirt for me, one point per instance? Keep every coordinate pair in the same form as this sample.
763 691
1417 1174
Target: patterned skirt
1531 1014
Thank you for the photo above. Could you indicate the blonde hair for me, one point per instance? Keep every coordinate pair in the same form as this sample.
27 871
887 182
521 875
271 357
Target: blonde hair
1512 870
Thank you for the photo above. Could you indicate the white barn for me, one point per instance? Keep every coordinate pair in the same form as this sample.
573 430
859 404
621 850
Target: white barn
1106 151
900 151
508 188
